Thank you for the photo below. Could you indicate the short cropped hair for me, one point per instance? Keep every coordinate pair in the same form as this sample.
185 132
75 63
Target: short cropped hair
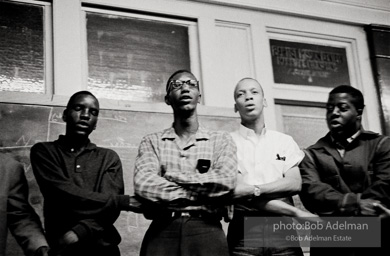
357 96
247 78
73 97
174 74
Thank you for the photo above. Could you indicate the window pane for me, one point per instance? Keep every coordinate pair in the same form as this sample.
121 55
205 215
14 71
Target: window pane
131 59
305 124
21 48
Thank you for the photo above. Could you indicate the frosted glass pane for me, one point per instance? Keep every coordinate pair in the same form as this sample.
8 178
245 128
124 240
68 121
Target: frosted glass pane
131 59
21 48
305 124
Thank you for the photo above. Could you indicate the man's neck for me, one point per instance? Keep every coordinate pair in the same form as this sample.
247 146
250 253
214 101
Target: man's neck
257 125
186 126
345 136
77 143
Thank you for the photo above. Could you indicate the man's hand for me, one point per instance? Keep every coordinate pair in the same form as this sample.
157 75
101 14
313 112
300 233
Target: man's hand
384 213
306 215
65 242
367 207
242 189
42 251
69 238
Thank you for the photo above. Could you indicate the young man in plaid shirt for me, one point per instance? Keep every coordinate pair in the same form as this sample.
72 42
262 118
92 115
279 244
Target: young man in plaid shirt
183 172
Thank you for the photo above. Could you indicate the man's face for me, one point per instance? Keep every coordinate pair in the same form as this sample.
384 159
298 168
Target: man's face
185 97
249 100
341 115
82 115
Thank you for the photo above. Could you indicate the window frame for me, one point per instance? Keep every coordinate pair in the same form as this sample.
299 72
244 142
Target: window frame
25 97
192 40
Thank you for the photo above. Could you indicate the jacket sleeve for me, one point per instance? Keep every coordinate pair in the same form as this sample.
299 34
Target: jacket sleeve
23 222
320 197
379 188
87 229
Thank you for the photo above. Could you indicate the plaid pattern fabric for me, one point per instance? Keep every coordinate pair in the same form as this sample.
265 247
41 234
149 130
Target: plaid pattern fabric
165 172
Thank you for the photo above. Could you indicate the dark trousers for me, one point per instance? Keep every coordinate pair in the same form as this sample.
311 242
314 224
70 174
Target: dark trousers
91 250
184 236
255 237
84 248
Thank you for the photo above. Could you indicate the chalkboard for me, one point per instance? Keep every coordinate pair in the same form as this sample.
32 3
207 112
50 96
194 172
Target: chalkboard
21 126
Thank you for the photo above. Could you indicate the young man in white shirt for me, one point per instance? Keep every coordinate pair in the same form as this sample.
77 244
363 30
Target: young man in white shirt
268 177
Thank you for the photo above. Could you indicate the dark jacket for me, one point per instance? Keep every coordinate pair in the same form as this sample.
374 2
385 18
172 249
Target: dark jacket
15 211
332 185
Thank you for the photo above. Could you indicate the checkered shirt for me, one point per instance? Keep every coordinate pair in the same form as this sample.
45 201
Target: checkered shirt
165 172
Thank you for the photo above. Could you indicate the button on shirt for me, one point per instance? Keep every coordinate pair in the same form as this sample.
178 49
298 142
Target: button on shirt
164 171
266 157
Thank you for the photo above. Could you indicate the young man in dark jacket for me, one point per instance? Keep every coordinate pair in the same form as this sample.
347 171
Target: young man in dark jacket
347 172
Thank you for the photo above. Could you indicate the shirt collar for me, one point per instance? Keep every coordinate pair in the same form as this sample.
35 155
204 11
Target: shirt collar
201 134
63 142
349 139
247 133
327 141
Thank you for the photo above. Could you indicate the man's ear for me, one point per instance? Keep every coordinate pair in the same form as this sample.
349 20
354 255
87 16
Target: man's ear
199 98
64 115
167 100
235 108
265 104
360 112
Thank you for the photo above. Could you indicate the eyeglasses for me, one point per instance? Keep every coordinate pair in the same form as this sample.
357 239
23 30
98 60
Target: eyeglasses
177 84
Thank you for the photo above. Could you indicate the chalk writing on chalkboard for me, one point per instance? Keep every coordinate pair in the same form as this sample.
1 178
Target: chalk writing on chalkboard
119 142
23 141
117 118
132 220
56 118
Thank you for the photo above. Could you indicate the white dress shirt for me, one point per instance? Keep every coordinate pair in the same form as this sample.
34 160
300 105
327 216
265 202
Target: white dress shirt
266 157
